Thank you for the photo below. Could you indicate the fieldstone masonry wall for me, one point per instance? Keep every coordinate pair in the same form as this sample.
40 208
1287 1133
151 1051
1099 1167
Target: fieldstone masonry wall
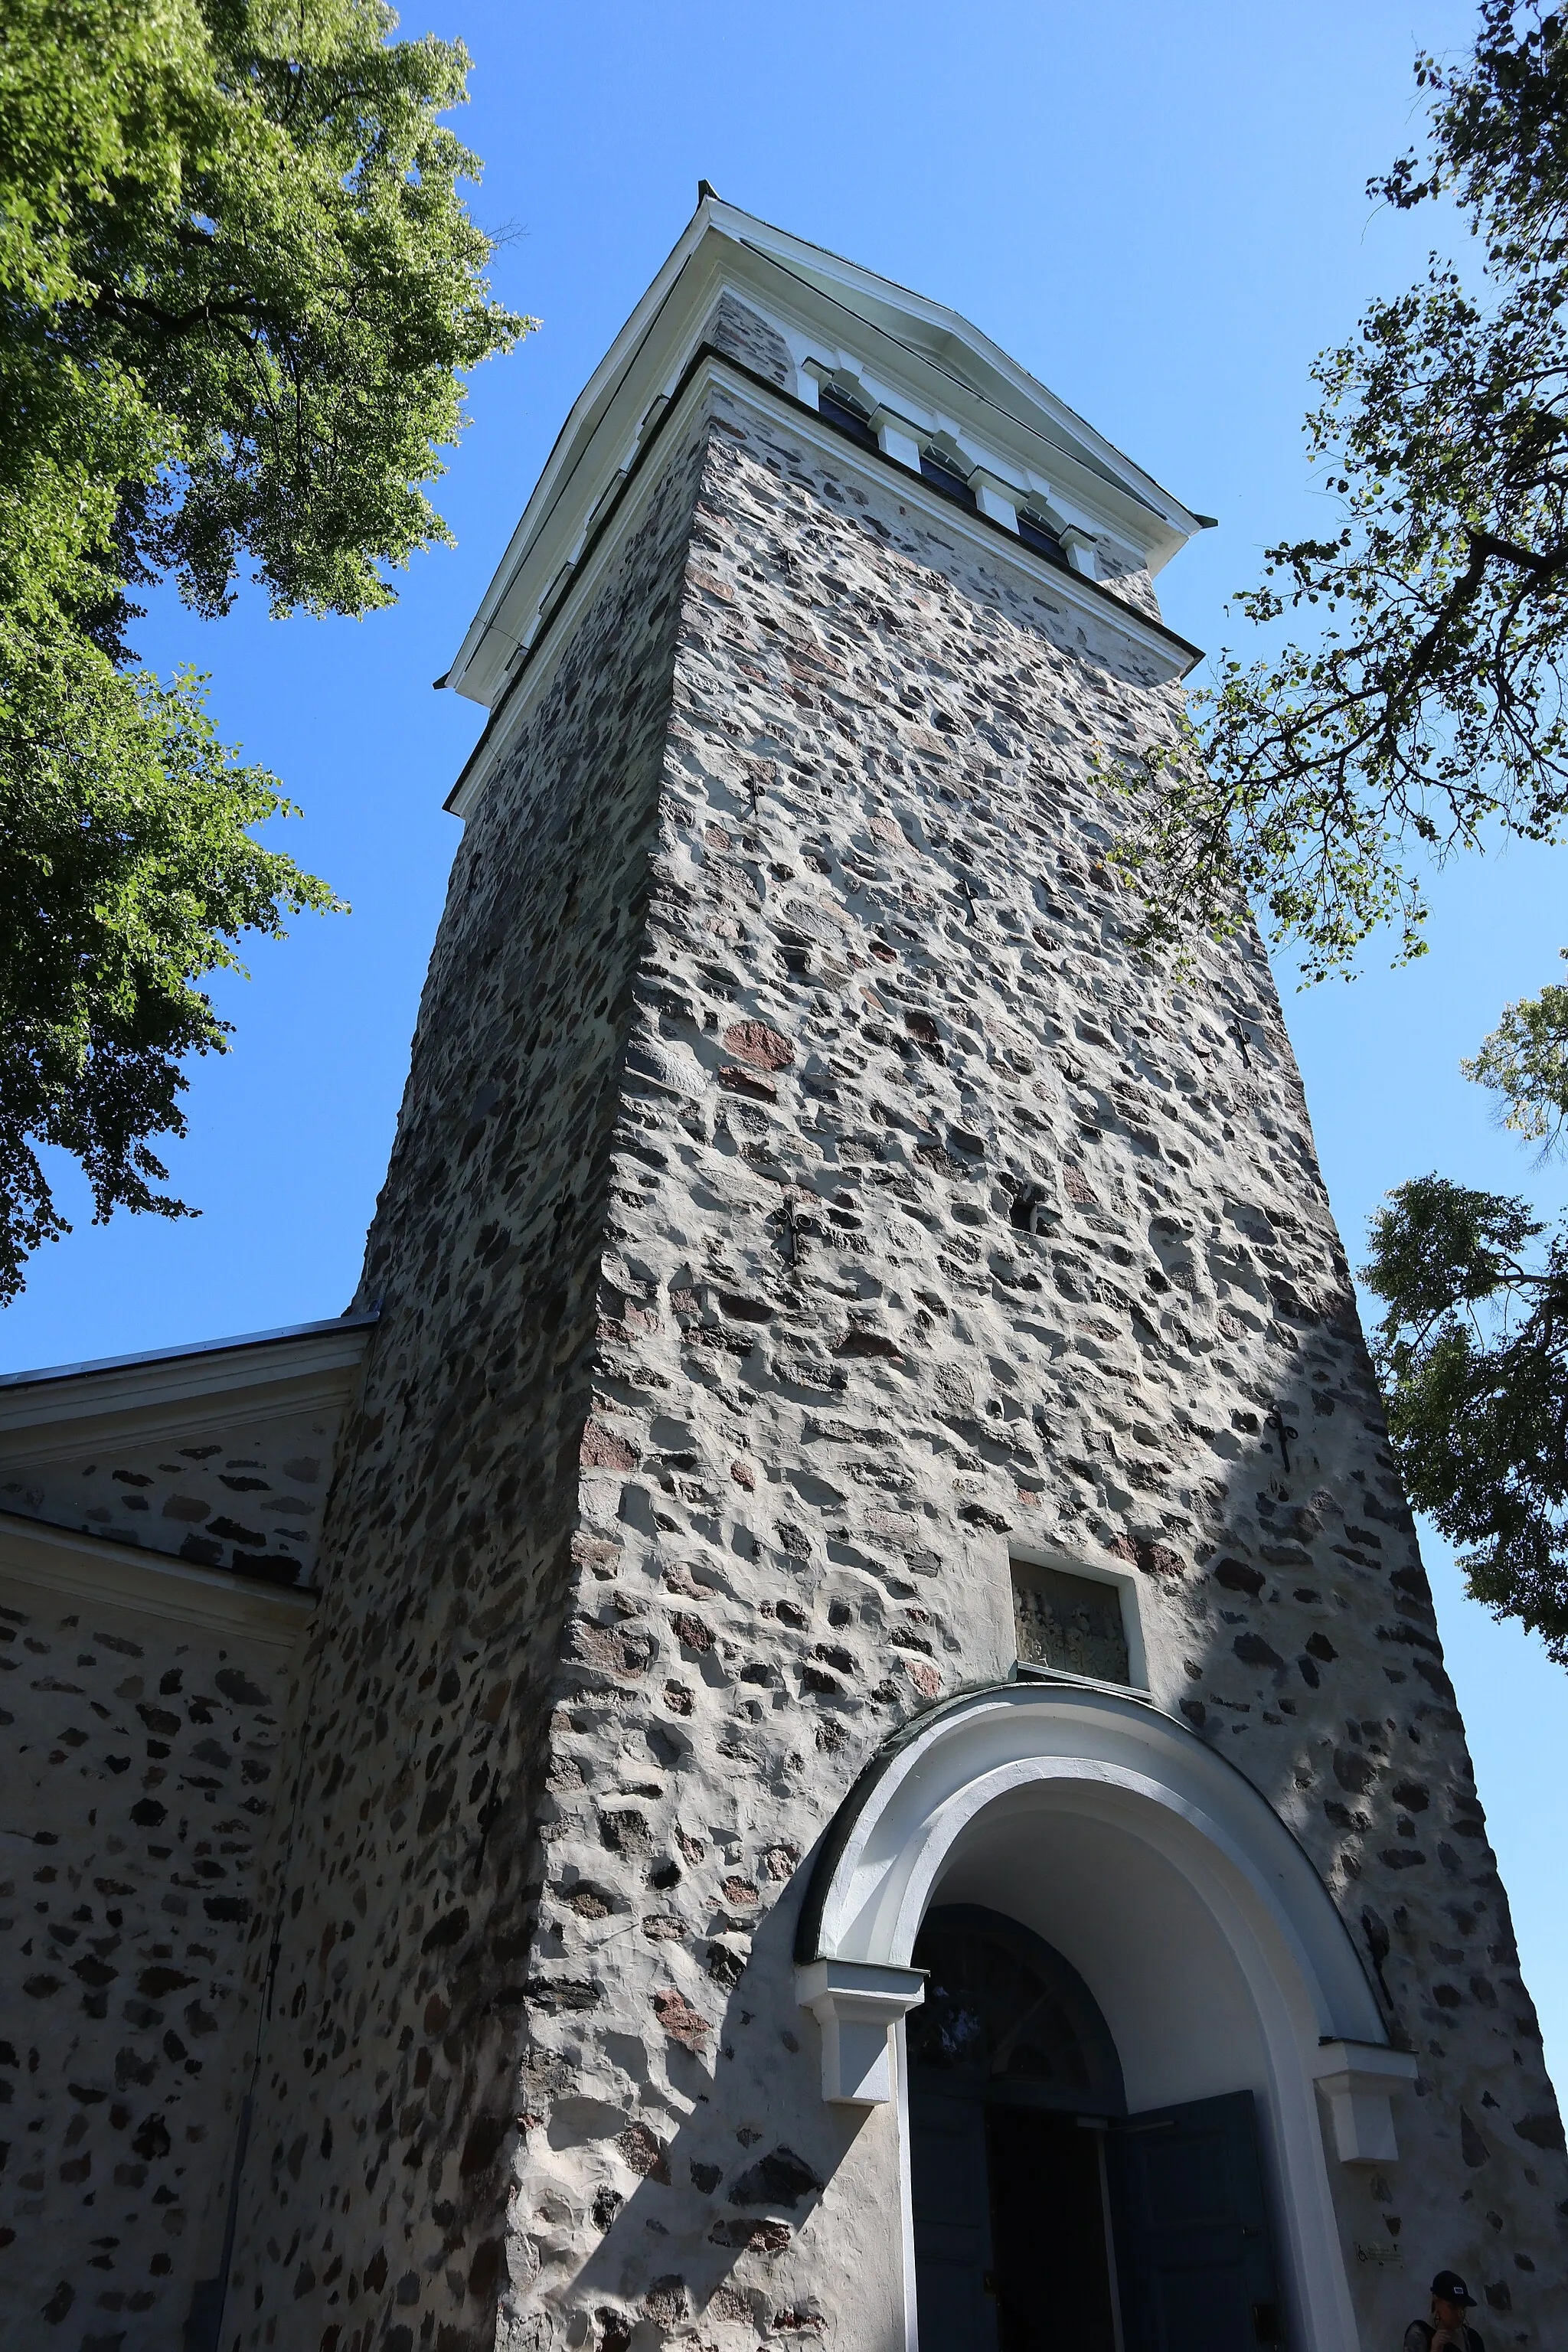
730 327
142 1762
250 1503
374 2203
802 1194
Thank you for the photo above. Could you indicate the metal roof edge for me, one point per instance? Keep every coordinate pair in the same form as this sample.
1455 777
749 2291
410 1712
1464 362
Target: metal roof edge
363 1322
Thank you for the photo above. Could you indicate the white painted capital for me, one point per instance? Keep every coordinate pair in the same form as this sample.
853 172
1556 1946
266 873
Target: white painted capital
899 439
995 497
1082 551
1357 2079
812 375
856 2002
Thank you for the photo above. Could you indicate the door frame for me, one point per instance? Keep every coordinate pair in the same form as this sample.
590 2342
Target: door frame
1097 2109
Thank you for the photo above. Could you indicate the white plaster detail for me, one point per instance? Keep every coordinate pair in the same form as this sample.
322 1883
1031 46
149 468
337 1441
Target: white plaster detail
910 2331
899 438
984 1748
995 497
1357 2080
1000 413
1082 550
308 1369
1121 620
77 1441
856 2003
58 1561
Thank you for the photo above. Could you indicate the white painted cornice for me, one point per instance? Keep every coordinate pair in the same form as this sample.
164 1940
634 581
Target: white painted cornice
533 665
64 1564
922 360
310 1369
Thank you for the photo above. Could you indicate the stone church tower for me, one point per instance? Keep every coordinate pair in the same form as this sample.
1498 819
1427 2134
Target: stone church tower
872 1755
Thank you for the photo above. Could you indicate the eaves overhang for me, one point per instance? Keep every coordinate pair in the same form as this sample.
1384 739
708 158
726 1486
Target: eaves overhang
69 1562
935 358
529 671
302 1367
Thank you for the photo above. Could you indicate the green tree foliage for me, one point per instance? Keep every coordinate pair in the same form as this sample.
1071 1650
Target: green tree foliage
1525 1060
1430 707
238 292
1426 716
1473 1358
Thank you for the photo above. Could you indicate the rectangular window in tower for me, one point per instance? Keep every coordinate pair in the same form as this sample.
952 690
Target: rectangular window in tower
944 475
837 410
1036 533
1070 1624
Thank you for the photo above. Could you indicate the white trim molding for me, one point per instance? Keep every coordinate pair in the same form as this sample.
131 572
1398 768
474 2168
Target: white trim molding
544 643
1082 550
924 370
1356 2079
961 1757
312 1368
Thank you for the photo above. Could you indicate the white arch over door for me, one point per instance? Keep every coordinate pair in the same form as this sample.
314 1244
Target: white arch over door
972 1796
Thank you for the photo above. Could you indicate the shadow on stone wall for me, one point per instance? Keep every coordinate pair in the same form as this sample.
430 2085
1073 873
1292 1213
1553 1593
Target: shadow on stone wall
741 2175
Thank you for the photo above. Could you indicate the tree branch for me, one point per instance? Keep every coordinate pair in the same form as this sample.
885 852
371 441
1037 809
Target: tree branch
174 324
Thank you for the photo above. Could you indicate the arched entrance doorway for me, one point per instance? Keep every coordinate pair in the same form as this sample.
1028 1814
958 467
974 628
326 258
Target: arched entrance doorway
1196 1961
1043 2213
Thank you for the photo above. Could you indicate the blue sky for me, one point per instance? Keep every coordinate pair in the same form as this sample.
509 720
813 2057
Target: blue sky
1161 210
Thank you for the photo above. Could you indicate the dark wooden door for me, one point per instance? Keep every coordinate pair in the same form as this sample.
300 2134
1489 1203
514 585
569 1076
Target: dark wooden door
954 2282
1047 2228
1195 2256
1006 2052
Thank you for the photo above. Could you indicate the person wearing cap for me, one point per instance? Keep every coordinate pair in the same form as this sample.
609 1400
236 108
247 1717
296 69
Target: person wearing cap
1448 2330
